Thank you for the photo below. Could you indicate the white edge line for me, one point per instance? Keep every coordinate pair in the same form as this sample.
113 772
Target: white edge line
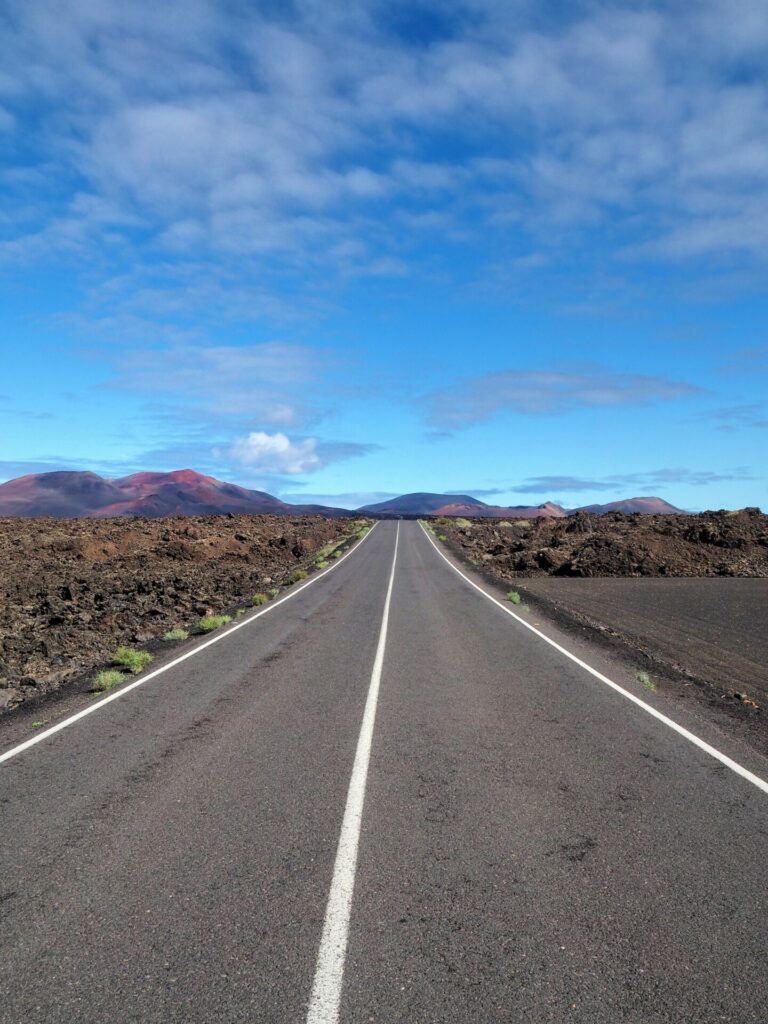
329 974
745 773
177 661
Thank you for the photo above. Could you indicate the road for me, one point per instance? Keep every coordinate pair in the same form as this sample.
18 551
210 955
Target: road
520 841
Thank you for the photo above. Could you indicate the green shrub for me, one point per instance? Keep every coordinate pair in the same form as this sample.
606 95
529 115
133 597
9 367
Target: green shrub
210 622
259 599
176 634
274 591
645 679
441 536
132 660
240 613
337 554
298 575
514 597
322 563
106 679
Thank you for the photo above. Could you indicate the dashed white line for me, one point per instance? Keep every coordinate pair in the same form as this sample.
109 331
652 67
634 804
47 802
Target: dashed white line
21 747
329 973
734 766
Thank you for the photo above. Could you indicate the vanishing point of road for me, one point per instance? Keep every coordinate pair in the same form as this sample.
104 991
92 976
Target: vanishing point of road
385 799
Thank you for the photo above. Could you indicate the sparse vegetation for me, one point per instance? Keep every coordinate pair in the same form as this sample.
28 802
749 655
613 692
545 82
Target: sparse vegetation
645 679
514 597
132 660
106 679
240 613
176 634
297 575
40 723
462 522
274 592
337 554
442 537
210 622
322 563
259 599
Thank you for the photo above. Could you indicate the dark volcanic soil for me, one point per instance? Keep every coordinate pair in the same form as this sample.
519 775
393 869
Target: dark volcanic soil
709 544
708 626
72 590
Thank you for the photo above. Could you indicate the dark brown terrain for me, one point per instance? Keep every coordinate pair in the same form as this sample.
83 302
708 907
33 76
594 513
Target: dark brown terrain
686 596
583 545
72 590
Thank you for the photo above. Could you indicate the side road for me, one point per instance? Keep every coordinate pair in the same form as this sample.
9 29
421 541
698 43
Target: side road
530 844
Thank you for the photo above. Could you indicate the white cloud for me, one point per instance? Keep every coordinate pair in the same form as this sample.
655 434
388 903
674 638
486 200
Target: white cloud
218 126
276 453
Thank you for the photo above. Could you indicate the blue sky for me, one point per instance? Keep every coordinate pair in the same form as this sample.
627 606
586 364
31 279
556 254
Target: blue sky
339 251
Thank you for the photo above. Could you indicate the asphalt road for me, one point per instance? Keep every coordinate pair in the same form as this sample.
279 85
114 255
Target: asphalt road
532 845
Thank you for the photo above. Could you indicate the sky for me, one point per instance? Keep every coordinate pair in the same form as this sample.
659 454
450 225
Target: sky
511 248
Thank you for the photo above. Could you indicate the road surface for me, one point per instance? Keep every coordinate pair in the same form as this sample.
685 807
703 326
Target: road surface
384 800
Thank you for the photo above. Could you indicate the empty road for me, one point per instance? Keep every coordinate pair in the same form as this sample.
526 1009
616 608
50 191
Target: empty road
384 800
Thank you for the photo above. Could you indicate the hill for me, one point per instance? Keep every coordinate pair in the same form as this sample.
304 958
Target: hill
183 492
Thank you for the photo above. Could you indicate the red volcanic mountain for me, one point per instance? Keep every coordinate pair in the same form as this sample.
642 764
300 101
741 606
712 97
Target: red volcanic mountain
481 510
649 506
184 492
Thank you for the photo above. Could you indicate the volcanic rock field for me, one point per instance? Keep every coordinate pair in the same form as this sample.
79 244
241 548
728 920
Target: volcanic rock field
72 590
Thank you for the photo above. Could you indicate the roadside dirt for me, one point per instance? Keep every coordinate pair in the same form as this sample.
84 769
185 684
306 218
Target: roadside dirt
72 590
684 598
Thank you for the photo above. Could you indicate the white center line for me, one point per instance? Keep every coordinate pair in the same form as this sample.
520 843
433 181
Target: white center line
21 747
329 973
718 755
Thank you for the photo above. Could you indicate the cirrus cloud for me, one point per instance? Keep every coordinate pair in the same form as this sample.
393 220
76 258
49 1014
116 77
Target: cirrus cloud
546 392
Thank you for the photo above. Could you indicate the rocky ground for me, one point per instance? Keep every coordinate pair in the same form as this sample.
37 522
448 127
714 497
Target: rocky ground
72 590
584 545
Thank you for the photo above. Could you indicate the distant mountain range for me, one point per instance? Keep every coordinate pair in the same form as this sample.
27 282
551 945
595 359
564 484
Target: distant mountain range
464 505
185 492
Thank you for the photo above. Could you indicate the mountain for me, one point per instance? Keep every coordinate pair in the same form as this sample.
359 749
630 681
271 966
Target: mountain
183 492
548 508
422 504
464 505
426 504
649 506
